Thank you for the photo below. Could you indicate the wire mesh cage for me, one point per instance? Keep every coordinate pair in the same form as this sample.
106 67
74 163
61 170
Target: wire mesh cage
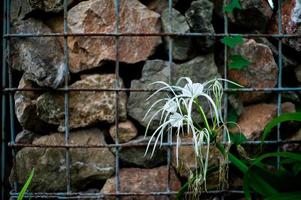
116 92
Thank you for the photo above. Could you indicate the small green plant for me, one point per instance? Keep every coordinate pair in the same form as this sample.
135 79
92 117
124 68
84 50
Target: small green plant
25 186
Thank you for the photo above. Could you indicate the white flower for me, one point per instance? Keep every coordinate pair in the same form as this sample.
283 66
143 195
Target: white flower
176 120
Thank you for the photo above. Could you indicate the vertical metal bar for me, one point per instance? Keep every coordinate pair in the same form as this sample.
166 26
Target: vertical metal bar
225 100
3 112
66 99
10 85
117 86
279 97
170 46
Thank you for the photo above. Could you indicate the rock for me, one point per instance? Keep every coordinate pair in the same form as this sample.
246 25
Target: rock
98 16
199 18
261 73
158 5
86 165
251 9
20 9
41 58
298 73
26 108
26 137
187 162
256 117
126 131
155 70
293 147
85 108
181 45
136 155
291 20
143 181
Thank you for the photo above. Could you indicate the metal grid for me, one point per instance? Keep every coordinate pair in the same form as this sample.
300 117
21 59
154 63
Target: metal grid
8 90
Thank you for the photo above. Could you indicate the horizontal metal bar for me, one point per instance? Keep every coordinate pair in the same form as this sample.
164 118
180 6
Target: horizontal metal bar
281 90
140 144
99 195
150 35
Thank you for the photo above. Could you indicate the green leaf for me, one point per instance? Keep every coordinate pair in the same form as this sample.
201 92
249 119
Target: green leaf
238 62
237 138
232 41
26 185
296 168
282 118
285 196
231 6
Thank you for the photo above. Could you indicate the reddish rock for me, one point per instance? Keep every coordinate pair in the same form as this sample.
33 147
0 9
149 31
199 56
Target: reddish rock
136 180
261 73
99 16
256 117
291 18
126 131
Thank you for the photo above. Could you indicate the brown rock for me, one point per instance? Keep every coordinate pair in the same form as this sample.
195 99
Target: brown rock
143 181
85 108
256 117
98 16
291 18
86 165
293 147
187 162
158 5
261 73
126 131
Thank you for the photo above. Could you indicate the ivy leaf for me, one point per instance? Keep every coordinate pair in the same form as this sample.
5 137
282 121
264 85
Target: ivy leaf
238 62
232 41
231 6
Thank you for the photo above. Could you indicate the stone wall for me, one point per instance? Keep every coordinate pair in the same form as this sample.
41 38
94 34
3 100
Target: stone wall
143 60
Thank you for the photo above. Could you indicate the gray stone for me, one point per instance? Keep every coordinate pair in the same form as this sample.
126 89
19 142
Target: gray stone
158 5
99 16
85 108
200 69
41 59
26 137
298 73
126 131
136 180
136 155
26 108
199 18
181 45
86 165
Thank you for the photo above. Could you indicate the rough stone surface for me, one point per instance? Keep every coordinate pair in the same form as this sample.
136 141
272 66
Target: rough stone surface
126 131
293 147
40 58
86 165
181 45
143 181
26 108
136 155
85 108
261 73
98 16
251 9
158 5
298 73
256 117
26 137
291 22
20 9
187 162
155 70
199 18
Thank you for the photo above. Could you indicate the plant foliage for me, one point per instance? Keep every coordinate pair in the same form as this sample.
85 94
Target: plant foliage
25 186
232 5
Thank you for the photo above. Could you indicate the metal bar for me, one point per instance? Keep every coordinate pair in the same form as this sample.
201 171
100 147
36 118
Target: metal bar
254 35
279 85
66 99
3 113
117 86
267 90
15 145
